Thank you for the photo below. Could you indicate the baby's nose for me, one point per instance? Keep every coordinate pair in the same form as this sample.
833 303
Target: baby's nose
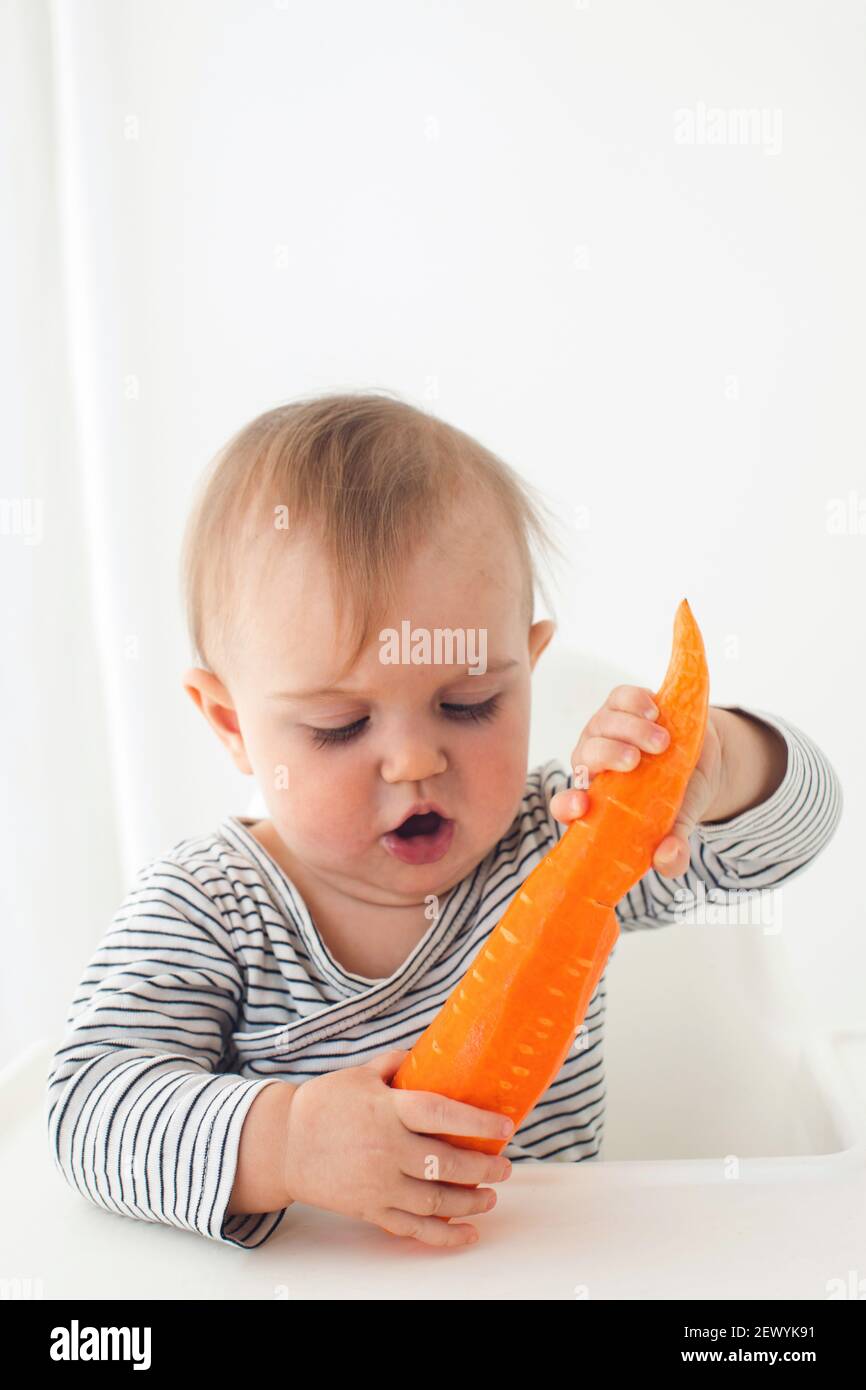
411 759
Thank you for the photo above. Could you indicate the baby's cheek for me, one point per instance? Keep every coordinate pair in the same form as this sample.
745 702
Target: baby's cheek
324 809
498 778
309 800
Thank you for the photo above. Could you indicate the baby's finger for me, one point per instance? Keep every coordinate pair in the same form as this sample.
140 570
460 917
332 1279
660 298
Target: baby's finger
628 729
433 1160
599 754
442 1199
672 856
387 1063
569 805
633 699
426 1112
428 1229
440 1161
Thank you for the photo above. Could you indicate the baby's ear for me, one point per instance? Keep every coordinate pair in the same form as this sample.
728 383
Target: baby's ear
539 635
209 694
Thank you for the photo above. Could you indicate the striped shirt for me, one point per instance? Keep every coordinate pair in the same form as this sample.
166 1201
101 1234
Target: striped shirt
212 981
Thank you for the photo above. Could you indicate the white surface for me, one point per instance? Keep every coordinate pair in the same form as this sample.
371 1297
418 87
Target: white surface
781 1229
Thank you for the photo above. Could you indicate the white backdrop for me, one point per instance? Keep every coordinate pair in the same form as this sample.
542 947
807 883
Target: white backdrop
520 217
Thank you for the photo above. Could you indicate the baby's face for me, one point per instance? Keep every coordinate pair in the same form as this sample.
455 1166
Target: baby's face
342 762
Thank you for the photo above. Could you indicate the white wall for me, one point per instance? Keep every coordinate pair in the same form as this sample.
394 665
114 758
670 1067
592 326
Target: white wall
482 206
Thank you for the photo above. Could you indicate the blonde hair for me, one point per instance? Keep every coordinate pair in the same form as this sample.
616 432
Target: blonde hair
372 474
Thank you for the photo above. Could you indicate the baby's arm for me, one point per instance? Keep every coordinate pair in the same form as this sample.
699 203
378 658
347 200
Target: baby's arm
140 1120
260 1179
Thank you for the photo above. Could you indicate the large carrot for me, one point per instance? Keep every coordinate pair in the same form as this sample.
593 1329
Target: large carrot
504 1032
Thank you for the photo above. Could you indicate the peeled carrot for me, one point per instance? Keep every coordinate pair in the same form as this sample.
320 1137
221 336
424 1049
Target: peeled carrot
504 1032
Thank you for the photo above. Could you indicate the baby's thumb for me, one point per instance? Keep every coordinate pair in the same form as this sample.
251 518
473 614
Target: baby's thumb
385 1064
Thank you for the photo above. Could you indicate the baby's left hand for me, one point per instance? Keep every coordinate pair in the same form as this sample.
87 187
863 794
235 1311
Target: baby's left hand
616 737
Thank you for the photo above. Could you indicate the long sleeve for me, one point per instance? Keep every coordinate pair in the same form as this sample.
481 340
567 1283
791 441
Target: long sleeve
140 1120
758 849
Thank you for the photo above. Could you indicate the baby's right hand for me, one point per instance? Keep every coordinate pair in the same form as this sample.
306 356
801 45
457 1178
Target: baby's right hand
357 1146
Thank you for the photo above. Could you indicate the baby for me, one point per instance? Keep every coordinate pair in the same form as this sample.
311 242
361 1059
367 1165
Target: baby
360 583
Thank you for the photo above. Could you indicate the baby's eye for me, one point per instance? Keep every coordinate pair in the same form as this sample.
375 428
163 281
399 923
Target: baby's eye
321 737
485 709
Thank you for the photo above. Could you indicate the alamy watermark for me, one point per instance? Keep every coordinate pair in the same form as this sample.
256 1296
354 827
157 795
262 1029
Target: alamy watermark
77 1343
439 646
846 516
21 1287
21 516
852 1286
734 125
756 907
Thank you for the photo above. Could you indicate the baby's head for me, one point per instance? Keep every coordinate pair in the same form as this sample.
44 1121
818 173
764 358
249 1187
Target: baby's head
359 581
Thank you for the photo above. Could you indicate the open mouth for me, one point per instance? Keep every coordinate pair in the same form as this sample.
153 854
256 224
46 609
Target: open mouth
420 839
419 825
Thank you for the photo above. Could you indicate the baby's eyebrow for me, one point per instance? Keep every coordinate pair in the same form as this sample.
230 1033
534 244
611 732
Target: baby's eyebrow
311 694
492 668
